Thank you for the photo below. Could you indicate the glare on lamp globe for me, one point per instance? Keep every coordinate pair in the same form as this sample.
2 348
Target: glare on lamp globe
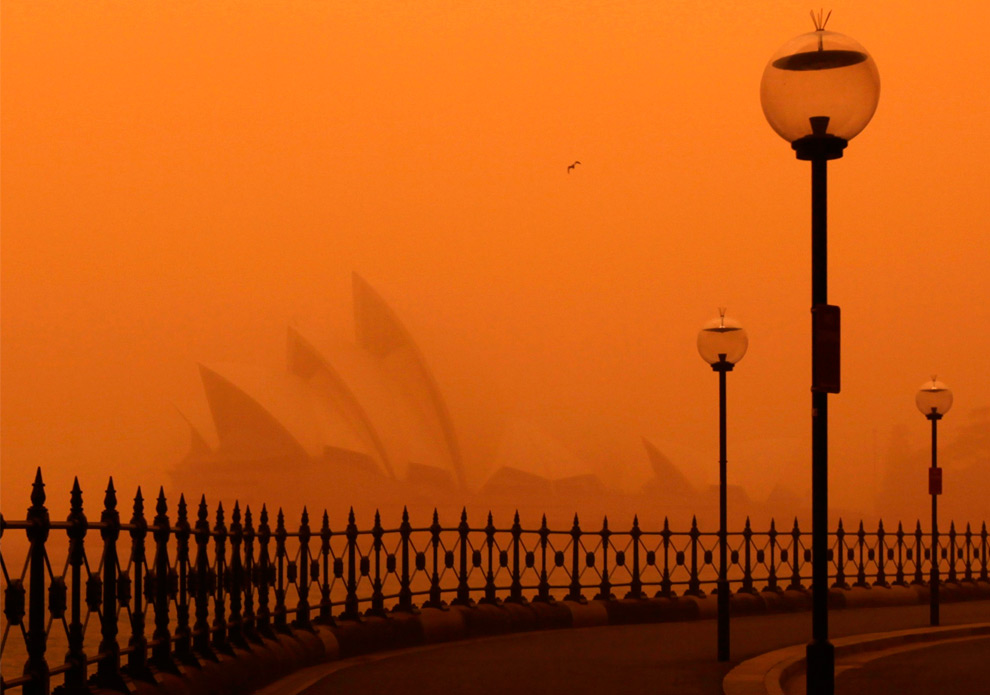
934 397
722 338
821 75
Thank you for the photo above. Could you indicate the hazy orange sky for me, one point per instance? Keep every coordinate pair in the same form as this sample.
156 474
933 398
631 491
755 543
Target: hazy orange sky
181 180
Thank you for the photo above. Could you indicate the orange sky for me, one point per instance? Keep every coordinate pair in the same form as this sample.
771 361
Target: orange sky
180 180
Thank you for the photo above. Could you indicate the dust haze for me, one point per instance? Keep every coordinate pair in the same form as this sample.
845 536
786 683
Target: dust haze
182 184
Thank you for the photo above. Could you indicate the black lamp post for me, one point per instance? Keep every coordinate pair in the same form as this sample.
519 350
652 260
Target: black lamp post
934 400
722 343
818 91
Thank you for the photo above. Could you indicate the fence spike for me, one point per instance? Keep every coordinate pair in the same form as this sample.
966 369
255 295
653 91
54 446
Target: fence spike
110 499
75 497
38 489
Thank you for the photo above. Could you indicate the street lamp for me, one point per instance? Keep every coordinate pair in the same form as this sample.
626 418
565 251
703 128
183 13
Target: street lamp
934 400
722 343
818 91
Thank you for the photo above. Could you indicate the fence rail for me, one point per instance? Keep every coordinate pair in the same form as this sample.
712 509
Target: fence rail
210 586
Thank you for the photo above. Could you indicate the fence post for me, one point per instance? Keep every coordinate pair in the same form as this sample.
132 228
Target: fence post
665 582
137 660
983 553
351 609
75 677
490 577
377 599
39 526
636 583
201 628
840 557
952 551
326 607
265 570
881 558
161 653
183 635
405 592
220 642
250 579
605 590
280 535
235 629
795 583
694 582
899 579
968 576
747 582
919 577
302 587
861 543
463 589
108 673
435 597
772 578
515 588
543 592
575 591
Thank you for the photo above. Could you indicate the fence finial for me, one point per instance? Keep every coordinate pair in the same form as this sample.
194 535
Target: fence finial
38 490
110 499
75 497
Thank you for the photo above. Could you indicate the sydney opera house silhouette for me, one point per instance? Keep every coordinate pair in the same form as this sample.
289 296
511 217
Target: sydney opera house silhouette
369 417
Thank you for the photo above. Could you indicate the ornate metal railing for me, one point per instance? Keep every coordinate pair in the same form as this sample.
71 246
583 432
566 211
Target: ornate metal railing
212 587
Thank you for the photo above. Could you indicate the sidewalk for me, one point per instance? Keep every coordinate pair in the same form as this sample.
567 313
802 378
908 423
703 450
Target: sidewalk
659 658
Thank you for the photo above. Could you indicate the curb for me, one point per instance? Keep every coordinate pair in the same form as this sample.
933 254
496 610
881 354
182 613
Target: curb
767 673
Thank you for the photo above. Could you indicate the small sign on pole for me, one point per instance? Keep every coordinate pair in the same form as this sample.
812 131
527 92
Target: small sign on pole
935 481
825 348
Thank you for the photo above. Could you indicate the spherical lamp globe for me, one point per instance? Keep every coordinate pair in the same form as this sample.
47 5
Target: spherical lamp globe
722 340
820 84
934 399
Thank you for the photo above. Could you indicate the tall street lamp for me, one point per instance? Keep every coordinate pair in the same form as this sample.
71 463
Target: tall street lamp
934 400
722 343
818 91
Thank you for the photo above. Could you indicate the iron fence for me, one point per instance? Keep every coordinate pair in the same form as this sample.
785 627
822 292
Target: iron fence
211 586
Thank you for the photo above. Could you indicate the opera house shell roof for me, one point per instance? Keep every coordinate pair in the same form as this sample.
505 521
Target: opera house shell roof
369 416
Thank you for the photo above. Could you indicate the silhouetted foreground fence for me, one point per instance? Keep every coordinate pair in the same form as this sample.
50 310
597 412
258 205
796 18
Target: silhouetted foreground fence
211 586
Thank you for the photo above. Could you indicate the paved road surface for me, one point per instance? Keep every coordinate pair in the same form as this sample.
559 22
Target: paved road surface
674 658
956 668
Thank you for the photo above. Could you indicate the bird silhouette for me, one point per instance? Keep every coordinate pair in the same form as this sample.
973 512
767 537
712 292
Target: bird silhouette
572 166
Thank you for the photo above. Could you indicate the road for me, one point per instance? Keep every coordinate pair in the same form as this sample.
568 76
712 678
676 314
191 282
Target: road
658 659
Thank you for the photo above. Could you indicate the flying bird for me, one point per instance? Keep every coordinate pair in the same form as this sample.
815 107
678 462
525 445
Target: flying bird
572 166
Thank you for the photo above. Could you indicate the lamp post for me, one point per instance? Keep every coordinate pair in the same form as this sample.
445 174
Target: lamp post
722 343
818 91
934 400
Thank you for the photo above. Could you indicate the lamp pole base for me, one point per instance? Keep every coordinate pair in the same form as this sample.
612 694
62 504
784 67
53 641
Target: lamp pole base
821 668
